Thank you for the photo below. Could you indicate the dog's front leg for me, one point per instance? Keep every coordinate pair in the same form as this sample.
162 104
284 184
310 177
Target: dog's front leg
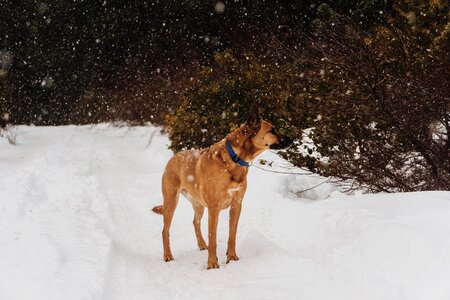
213 218
235 212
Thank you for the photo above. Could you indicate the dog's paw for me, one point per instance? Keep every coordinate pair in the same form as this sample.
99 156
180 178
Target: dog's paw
213 265
168 257
231 257
202 246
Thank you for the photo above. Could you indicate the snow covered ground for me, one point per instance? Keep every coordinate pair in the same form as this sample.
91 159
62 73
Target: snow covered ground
75 223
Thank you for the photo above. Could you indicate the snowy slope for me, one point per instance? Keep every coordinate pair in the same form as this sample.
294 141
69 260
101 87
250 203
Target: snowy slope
75 223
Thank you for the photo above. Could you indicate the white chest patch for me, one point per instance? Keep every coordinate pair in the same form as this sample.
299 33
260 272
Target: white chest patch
233 190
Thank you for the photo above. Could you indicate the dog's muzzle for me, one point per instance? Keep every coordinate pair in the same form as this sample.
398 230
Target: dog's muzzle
283 143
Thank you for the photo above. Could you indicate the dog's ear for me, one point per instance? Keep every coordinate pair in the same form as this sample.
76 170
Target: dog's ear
253 120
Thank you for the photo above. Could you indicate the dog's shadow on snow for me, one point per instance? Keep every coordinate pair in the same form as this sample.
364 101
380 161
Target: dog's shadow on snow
253 249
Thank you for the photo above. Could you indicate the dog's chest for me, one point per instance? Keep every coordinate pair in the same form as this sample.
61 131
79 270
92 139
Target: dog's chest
222 191
238 175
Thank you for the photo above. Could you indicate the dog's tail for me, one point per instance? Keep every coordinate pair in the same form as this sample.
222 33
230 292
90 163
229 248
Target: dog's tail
158 209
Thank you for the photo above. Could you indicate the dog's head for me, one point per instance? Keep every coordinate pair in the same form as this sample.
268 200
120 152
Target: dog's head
265 135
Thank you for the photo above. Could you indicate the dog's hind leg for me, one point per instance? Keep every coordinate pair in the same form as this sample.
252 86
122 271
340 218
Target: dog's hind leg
198 214
170 189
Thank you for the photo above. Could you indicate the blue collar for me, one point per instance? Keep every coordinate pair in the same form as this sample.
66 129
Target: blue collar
234 156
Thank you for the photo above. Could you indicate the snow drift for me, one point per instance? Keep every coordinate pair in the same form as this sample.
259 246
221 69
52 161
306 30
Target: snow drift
75 223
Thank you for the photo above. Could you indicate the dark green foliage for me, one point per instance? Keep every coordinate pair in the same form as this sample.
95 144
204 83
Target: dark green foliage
5 101
220 101
65 51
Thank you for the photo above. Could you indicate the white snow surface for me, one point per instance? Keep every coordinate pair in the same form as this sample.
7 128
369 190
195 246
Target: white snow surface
75 223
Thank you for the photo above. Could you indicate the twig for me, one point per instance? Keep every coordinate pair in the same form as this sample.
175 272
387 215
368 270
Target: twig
313 187
281 172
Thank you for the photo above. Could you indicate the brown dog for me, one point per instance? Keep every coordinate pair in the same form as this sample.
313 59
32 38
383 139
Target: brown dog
215 178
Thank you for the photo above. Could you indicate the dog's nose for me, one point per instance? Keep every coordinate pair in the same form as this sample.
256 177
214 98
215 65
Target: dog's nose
283 142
